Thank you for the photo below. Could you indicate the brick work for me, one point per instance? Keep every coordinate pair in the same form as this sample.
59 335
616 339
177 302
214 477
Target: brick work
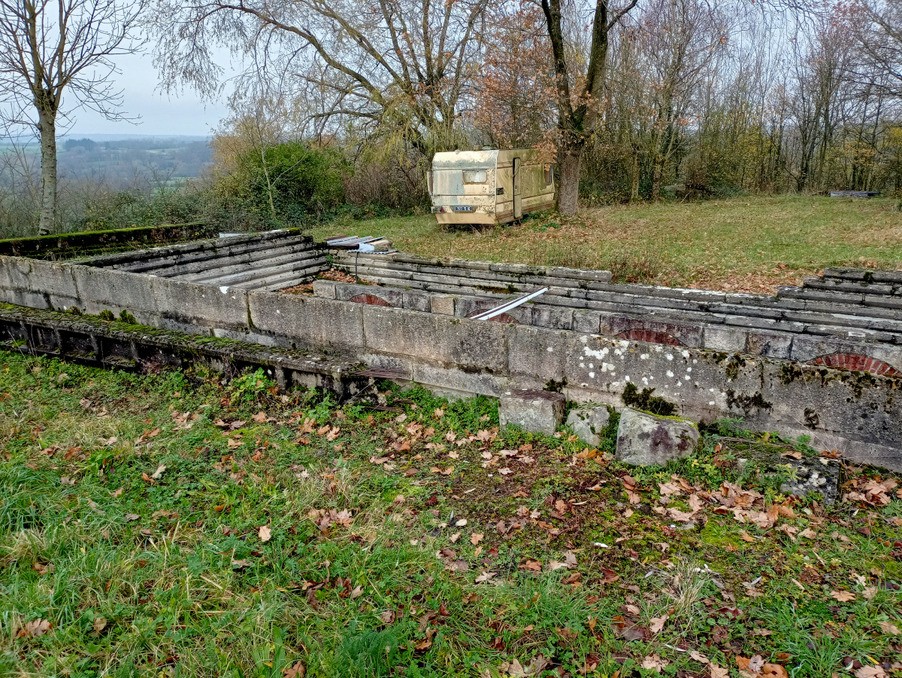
504 318
370 299
856 362
651 336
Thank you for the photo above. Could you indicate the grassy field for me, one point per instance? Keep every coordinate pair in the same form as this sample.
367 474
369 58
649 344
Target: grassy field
743 244
174 525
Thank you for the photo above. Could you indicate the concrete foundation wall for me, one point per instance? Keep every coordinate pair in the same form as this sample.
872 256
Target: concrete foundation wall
854 412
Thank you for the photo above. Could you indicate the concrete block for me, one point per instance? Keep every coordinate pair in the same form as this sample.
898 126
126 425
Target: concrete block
537 355
324 289
48 284
533 411
202 306
652 330
768 344
450 382
552 318
468 344
308 320
587 322
588 421
101 289
646 440
725 338
416 301
442 304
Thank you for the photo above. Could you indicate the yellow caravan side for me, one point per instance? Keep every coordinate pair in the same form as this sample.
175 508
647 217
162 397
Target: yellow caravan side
489 187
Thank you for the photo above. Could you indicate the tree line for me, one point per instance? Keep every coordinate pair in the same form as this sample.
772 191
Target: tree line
632 100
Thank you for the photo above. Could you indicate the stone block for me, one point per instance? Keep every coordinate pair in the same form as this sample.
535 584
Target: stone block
309 320
442 304
44 284
537 355
101 289
533 411
588 421
324 289
468 344
652 330
725 339
769 344
553 318
200 306
416 301
813 475
587 322
647 440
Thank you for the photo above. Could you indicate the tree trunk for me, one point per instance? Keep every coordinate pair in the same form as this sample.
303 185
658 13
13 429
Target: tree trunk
569 160
47 129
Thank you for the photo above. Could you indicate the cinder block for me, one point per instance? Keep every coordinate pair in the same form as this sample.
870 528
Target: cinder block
533 411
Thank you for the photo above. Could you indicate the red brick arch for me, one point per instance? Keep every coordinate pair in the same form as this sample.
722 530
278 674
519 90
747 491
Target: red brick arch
857 362
370 299
651 336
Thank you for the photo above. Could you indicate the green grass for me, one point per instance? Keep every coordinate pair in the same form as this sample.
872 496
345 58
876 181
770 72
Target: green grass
747 243
141 570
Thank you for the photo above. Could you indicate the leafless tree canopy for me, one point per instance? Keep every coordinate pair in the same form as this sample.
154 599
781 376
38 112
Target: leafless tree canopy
399 64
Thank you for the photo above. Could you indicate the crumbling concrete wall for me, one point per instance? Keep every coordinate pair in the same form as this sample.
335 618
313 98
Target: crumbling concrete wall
856 413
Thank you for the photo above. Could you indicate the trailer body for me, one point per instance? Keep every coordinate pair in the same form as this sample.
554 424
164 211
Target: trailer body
489 187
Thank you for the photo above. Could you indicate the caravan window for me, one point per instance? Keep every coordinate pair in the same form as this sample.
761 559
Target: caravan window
549 174
475 176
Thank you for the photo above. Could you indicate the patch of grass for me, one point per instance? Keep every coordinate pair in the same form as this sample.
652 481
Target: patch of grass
408 536
745 243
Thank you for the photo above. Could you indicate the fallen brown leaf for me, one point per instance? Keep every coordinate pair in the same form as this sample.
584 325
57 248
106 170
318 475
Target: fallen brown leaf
842 596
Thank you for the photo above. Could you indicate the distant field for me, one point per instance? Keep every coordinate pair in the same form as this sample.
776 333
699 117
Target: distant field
743 244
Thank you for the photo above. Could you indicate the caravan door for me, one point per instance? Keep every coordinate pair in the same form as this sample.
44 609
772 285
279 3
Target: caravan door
517 171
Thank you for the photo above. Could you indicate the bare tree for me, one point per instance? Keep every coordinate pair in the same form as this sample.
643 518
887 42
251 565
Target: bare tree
878 28
55 48
401 64
579 88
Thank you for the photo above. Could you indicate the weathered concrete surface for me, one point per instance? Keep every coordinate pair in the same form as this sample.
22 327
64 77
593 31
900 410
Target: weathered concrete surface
851 325
588 422
646 440
533 411
78 244
855 412
95 342
297 320
450 342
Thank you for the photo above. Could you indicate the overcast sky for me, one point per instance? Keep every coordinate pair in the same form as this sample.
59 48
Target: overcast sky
161 114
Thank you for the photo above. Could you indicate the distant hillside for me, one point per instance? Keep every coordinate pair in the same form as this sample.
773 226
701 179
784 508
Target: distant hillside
128 161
